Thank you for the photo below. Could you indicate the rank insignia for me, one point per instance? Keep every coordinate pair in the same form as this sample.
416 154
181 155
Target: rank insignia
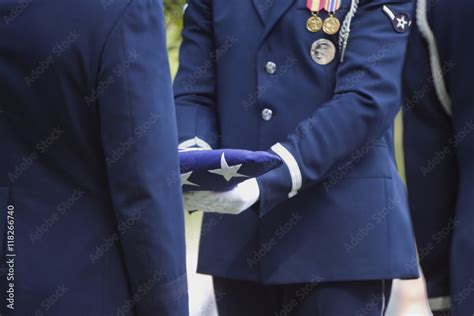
401 21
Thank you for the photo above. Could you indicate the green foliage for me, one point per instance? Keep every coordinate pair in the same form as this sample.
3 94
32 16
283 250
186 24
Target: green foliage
173 5
174 24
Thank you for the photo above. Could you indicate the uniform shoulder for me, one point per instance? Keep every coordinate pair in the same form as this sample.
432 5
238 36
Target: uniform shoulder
111 12
105 13
91 18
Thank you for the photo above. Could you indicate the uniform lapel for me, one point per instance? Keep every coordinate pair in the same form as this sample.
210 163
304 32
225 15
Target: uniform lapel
276 12
260 7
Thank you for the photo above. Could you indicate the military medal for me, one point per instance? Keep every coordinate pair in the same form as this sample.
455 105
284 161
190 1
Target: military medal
323 51
314 23
331 24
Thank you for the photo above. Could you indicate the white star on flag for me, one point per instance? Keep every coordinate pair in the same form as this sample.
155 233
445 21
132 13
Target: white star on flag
185 179
228 172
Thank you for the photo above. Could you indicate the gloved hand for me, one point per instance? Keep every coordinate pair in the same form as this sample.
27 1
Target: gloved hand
232 202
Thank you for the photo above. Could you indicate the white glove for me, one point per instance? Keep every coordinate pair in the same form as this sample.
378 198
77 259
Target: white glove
232 202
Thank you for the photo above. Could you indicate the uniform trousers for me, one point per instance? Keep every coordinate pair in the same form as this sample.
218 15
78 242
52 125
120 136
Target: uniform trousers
362 298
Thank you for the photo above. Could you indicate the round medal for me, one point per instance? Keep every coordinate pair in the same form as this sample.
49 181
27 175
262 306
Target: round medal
331 25
323 51
314 24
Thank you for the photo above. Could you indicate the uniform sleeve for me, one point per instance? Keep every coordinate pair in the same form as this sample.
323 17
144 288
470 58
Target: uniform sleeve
138 131
459 53
195 85
365 103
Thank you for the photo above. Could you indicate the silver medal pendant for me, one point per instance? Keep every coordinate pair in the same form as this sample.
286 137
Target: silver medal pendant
323 51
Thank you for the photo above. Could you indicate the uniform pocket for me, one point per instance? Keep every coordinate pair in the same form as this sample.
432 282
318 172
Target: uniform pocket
369 161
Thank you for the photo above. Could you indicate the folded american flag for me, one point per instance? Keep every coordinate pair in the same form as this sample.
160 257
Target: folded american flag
221 170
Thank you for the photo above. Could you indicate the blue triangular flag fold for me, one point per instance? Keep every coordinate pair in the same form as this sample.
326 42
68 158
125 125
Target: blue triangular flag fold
221 170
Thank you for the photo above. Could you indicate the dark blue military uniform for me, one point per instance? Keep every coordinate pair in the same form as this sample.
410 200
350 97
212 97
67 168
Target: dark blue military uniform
439 143
252 76
89 223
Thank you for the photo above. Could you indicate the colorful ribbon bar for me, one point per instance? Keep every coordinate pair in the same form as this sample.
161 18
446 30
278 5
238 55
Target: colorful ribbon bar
332 6
315 5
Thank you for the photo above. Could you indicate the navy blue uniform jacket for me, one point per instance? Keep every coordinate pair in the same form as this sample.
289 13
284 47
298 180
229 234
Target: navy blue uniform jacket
87 161
439 152
338 209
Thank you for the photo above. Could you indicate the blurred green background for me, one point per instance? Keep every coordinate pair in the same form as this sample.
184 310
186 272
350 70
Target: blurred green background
174 23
